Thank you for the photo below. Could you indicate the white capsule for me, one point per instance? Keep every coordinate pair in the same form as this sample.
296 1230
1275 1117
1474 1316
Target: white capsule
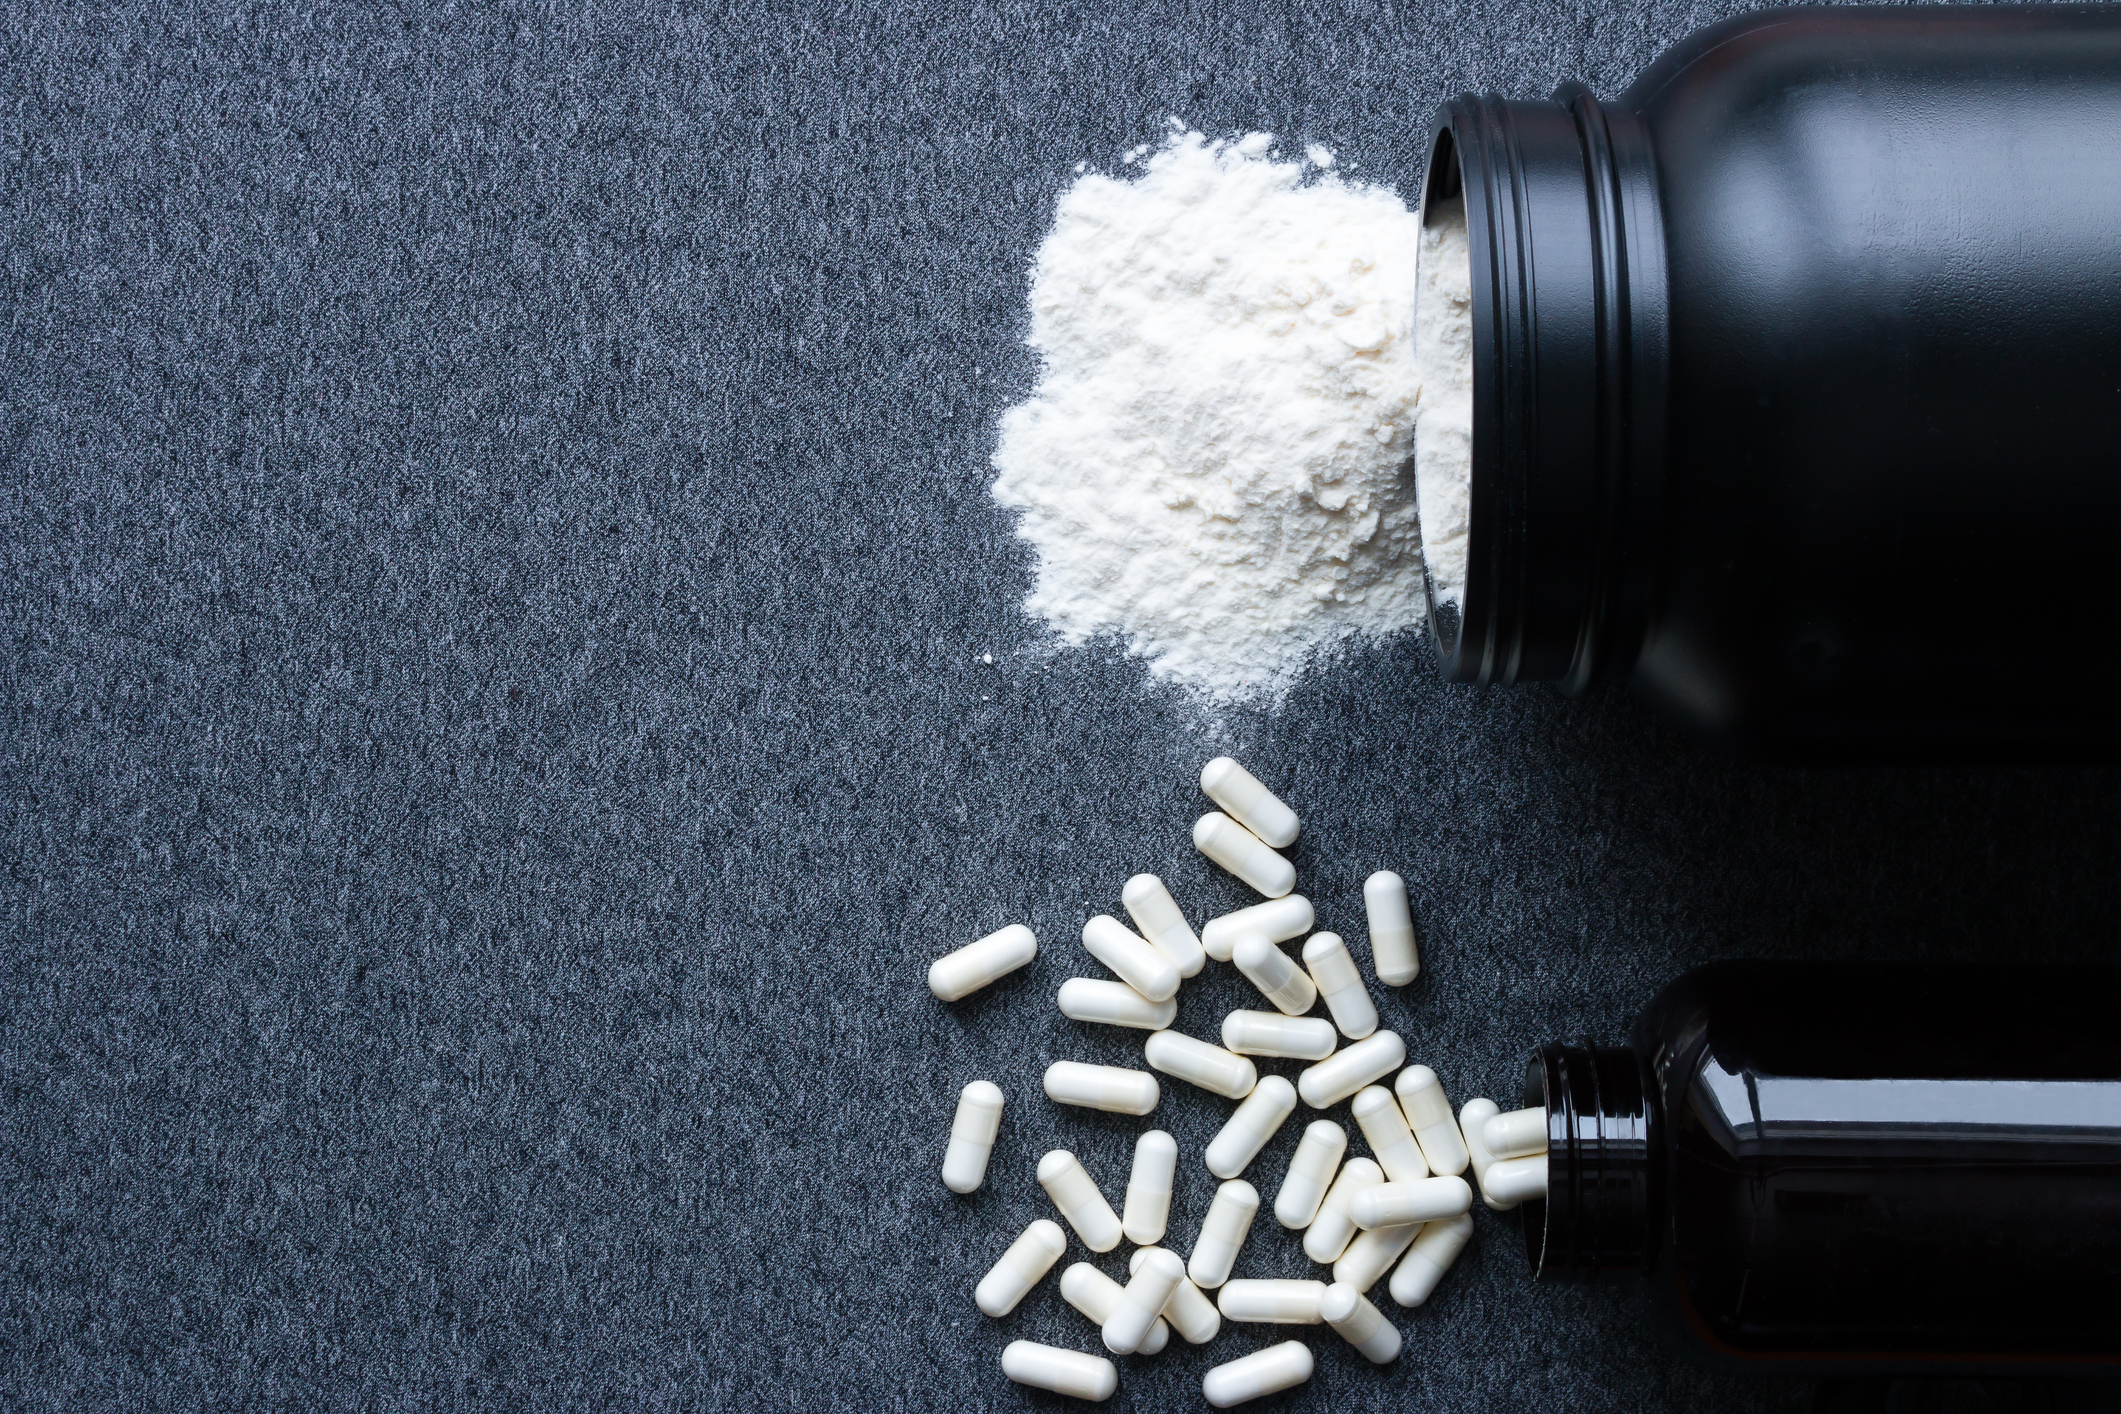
1068 1372
1424 1200
1359 1323
1243 853
1275 1303
974 965
1258 1375
1210 1067
1516 1134
1251 804
1475 1114
1331 1228
1326 958
1189 1310
1346 1071
1222 1232
1114 1004
1013 1275
1310 1173
1143 1301
1278 978
1428 1113
1096 1295
1514 1180
1385 1129
1429 1258
972 1131
1372 1254
1157 914
1384 896
1275 920
1075 1194
1268 1033
1250 1126
1139 966
1101 1087
1149 1188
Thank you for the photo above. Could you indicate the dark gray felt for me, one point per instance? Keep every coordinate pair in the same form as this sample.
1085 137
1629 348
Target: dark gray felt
497 569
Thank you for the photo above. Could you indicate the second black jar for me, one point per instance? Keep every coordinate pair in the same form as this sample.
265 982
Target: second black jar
1839 1169
1797 383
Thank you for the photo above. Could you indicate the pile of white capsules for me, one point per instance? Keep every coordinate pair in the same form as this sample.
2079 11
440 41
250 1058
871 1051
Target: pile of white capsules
1406 1211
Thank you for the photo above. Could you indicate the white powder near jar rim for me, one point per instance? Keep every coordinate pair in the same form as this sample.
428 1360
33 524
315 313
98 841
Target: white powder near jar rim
1443 360
1213 465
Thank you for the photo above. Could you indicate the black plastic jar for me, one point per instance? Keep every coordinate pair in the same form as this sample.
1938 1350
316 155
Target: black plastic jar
1797 382
1838 1169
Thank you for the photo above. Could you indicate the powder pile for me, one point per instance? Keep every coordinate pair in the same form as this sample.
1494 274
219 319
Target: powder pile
1211 465
1443 356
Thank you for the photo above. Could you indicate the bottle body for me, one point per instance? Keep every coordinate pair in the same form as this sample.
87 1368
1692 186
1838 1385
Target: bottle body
1797 382
1832 1168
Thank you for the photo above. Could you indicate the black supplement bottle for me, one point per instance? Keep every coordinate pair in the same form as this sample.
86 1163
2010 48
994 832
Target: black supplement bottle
1850 1169
1797 383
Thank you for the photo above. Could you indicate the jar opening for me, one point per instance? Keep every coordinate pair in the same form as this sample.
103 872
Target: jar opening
1443 356
1599 1214
1538 331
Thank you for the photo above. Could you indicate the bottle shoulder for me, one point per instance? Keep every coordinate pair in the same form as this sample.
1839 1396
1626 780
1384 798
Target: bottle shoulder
1748 58
1860 1021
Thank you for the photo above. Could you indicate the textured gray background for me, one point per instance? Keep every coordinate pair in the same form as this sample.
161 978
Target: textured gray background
497 566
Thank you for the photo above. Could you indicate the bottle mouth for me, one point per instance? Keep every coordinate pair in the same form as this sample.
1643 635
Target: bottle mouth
1443 358
1442 183
1599 1214
1565 267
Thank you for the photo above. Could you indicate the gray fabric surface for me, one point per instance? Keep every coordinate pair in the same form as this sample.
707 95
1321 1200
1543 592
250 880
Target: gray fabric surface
497 566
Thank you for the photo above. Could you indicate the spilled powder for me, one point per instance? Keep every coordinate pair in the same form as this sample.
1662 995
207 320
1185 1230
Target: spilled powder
1212 467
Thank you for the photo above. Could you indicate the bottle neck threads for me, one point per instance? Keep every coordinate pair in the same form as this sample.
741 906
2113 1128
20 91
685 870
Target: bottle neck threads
1569 379
1603 1131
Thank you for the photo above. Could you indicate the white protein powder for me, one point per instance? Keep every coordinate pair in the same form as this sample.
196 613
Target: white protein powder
1443 359
1210 466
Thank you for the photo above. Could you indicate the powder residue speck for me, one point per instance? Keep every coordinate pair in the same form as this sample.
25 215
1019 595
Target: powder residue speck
1211 465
